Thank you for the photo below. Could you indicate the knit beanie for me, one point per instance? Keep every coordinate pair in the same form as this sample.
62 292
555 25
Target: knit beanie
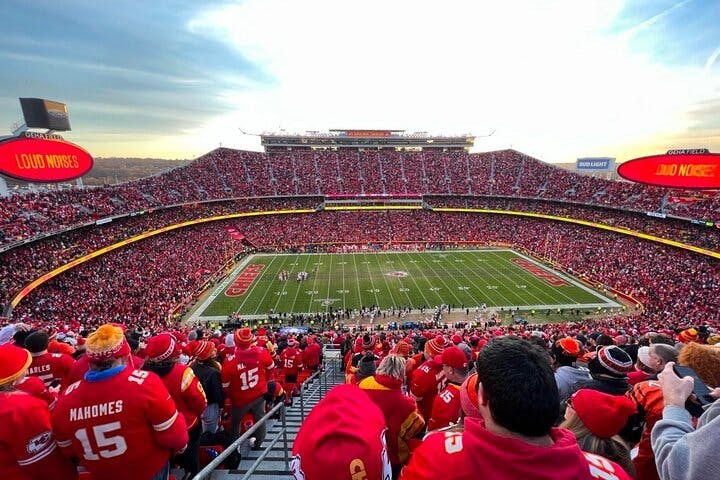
162 347
469 397
343 437
611 360
14 361
106 343
689 335
203 350
603 414
244 338
435 346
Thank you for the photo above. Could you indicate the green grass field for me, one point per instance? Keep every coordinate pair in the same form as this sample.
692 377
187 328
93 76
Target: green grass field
394 279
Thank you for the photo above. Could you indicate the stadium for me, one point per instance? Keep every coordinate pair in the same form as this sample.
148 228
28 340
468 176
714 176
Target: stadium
366 302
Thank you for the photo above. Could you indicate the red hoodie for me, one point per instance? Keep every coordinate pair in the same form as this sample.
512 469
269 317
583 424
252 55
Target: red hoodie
477 453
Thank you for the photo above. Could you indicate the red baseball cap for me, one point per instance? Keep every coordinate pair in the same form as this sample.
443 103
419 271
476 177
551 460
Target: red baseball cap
334 442
454 357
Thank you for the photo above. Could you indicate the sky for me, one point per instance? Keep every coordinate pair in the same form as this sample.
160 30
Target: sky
556 79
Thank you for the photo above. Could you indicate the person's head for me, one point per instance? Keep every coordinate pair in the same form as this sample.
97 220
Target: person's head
611 361
163 348
565 351
342 437
434 347
516 387
660 354
661 338
455 364
107 347
366 366
203 351
596 419
37 342
469 397
244 338
392 366
14 362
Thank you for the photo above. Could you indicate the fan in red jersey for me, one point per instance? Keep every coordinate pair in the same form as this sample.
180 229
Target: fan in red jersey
291 360
519 402
118 422
446 406
163 353
429 379
51 368
245 377
28 450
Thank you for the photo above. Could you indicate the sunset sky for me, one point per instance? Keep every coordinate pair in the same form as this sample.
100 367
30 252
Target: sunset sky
557 79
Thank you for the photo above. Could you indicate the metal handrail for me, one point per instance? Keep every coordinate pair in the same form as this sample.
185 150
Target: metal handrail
210 467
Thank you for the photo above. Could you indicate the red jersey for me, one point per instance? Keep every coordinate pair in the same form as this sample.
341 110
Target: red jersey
291 361
463 455
245 376
28 450
186 391
446 407
120 423
427 381
311 355
81 366
50 367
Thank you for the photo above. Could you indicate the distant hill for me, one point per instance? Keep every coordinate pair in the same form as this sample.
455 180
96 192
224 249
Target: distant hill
108 171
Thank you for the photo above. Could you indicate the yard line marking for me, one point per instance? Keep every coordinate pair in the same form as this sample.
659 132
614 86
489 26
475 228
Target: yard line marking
284 287
380 268
314 287
412 277
357 277
299 285
422 256
372 283
257 281
405 290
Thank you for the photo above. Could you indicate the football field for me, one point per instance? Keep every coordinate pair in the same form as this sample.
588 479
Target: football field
268 283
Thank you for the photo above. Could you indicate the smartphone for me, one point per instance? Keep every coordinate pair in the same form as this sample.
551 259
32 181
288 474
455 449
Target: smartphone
701 392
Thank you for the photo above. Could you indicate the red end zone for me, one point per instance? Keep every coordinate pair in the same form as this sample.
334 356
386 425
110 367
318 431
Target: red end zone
539 272
243 281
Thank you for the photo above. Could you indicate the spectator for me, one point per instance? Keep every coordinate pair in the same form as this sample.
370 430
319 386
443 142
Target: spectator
51 368
565 352
292 363
28 450
519 403
245 378
400 411
596 419
429 378
207 370
118 422
344 436
608 369
683 452
163 352
446 406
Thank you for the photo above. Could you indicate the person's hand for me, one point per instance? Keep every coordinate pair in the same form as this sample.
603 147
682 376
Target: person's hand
23 327
675 390
715 393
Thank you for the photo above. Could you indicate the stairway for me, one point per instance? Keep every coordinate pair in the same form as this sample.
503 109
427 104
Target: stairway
273 466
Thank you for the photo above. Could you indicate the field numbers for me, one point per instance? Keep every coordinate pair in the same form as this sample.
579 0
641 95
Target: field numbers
521 286
404 289
492 287
434 289
437 261
342 291
373 290
412 261
311 292
280 293
463 288
293 264
342 263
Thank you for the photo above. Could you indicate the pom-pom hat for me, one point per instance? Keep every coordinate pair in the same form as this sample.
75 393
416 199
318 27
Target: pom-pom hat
14 362
603 414
203 350
106 343
614 359
334 442
244 338
435 346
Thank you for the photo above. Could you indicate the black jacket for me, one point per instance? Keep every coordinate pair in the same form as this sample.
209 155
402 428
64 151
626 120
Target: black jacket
209 378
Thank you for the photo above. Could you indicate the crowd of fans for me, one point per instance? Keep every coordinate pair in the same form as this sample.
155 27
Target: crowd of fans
560 401
147 282
225 173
